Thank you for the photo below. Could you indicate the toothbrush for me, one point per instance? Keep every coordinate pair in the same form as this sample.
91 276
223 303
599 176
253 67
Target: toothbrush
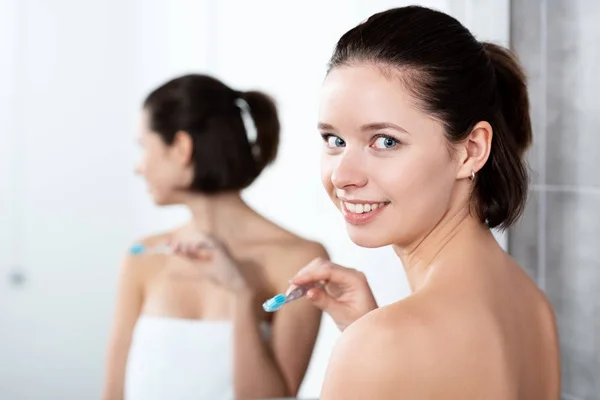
275 303
139 249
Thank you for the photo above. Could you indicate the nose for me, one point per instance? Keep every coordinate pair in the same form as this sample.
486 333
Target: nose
138 170
349 171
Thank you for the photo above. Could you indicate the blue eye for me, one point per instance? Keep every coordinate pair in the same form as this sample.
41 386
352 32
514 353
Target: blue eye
334 141
385 142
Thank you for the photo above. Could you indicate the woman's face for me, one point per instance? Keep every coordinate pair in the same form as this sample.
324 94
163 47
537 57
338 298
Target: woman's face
161 166
386 165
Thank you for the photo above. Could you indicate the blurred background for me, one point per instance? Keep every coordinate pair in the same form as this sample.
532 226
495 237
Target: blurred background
72 78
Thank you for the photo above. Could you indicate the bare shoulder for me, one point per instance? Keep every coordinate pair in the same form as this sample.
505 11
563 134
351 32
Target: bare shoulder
541 307
138 267
542 304
549 335
294 251
389 351
287 254
302 249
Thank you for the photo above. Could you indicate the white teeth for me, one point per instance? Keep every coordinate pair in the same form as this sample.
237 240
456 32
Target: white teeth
362 208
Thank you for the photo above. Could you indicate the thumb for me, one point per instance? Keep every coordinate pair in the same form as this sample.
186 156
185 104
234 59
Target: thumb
319 299
202 254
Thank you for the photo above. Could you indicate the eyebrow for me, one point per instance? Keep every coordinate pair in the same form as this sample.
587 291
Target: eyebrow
325 127
375 126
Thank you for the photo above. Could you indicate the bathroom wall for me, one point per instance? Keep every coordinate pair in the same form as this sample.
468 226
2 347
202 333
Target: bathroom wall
558 240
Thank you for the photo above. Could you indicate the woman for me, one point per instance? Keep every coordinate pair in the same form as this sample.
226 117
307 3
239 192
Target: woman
193 330
425 129
424 133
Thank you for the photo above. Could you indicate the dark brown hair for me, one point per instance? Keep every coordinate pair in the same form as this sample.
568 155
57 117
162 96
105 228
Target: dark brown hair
208 110
459 81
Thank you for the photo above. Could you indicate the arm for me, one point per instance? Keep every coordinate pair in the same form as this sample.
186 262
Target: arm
275 368
127 309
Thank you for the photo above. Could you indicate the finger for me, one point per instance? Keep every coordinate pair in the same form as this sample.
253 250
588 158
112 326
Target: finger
289 290
195 247
333 290
198 246
319 298
176 248
203 254
324 271
206 246
316 270
182 249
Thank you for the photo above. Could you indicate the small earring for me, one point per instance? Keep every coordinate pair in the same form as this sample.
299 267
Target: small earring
472 175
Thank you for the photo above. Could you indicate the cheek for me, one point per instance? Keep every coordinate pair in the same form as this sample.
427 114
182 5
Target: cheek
419 181
155 169
148 165
327 165
141 165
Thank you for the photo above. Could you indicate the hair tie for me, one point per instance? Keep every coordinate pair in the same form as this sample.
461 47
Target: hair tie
247 119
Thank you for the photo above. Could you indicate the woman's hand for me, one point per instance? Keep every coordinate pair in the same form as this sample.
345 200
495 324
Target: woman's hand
211 258
346 294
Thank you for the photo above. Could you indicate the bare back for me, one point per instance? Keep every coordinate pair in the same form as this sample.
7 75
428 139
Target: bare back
168 286
174 289
472 332
497 328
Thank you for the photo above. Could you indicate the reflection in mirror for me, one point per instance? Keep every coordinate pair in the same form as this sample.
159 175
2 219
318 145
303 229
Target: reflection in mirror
188 322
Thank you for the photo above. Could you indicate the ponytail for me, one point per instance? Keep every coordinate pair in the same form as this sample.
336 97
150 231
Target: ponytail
511 85
502 184
264 114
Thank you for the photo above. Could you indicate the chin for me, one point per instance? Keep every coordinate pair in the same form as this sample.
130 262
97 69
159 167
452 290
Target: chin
364 238
160 203
161 200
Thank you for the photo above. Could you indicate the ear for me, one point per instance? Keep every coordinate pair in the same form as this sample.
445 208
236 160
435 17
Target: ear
475 150
182 147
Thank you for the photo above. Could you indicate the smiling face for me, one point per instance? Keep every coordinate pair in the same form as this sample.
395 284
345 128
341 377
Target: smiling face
386 165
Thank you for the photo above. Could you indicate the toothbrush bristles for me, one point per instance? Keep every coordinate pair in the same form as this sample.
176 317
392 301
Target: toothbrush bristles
274 303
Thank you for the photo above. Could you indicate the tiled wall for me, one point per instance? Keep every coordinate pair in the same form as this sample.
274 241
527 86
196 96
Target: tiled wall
558 239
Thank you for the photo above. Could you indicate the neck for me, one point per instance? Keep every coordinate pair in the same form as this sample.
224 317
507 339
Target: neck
217 214
456 230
